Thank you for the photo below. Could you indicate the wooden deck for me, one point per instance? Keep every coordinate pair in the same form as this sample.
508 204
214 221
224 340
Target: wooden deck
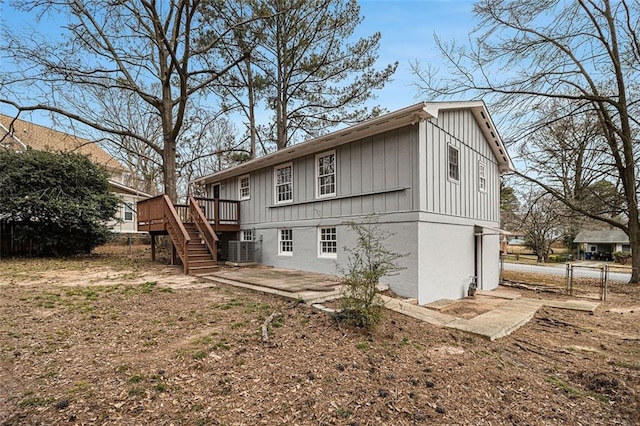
222 215
192 228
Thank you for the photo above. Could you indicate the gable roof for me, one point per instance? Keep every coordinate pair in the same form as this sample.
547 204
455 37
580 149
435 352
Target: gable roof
410 115
606 237
25 134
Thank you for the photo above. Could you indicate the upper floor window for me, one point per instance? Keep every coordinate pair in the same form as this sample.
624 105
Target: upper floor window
245 187
454 163
285 242
482 177
326 174
284 183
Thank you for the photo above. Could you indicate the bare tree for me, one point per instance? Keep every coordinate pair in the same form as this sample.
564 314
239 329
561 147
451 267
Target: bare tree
303 69
241 88
209 146
143 48
542 225
586 52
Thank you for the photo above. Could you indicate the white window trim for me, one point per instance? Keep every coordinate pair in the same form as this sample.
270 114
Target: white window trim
320 253
280 240
248 196
451 179
275 183
242 234
124 212
335 174
482 176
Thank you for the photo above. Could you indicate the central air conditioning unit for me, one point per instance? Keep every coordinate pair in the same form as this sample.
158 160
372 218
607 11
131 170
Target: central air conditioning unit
242 251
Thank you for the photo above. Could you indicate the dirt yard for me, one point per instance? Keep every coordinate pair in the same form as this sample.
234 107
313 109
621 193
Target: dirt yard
112 339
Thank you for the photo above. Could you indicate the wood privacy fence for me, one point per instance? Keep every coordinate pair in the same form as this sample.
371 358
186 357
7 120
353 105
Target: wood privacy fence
9 244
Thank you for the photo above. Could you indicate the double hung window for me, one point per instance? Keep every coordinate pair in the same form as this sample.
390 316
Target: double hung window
284 183
326 174
245 188
454 163
327 242
285 242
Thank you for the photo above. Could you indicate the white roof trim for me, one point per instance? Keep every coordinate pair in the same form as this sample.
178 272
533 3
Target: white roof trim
128 189
406 116
13 136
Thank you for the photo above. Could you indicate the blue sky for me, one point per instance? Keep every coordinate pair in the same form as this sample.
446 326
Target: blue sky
407 28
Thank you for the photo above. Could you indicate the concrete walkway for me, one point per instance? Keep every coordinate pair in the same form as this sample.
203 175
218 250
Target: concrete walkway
314 289
496 323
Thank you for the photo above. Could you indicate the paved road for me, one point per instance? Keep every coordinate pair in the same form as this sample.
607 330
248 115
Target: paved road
562 271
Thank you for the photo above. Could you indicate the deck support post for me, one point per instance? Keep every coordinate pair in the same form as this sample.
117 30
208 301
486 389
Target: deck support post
153 247
174 255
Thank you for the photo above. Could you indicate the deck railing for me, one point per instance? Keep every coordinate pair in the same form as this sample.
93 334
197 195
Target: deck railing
158 214
206 232
222 215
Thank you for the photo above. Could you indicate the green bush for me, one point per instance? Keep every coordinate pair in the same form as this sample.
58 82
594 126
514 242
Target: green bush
58 202
558 258
366 264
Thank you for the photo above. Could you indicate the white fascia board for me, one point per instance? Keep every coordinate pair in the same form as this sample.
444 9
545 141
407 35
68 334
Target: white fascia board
409 115
406 116
128 190
484 120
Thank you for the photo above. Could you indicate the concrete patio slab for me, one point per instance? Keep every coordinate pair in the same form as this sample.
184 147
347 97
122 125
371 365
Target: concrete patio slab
574 305
291 284
441 304
501 321
427 315
500 294
288 280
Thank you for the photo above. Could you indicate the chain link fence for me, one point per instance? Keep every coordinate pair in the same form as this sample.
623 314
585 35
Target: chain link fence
581 279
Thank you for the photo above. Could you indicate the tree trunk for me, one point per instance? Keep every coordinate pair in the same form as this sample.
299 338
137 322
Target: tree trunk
169 170
252 117
634 241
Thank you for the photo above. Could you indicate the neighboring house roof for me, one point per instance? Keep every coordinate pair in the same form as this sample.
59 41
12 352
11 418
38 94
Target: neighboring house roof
403 117
605 237
26 134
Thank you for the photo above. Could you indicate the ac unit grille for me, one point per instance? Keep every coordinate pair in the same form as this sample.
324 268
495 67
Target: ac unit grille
242 251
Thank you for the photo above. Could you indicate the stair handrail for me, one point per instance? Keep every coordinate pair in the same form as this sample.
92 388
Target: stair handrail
203 225
180 237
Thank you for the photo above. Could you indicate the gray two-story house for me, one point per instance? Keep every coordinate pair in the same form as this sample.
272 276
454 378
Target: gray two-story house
430 172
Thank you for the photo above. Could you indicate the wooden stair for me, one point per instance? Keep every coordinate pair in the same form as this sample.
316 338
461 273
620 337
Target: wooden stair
200 259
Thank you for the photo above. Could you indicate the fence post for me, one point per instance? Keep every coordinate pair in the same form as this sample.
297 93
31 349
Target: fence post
571 282
605 284
566 281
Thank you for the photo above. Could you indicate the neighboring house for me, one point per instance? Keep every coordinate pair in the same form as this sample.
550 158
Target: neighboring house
599 244
430 172
19 135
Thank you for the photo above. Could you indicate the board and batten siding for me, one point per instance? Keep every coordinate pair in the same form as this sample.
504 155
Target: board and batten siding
377 174
463 198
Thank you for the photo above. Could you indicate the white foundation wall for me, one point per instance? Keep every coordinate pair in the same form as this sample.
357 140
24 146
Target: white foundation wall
446 253
305 250
490 275
447 257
